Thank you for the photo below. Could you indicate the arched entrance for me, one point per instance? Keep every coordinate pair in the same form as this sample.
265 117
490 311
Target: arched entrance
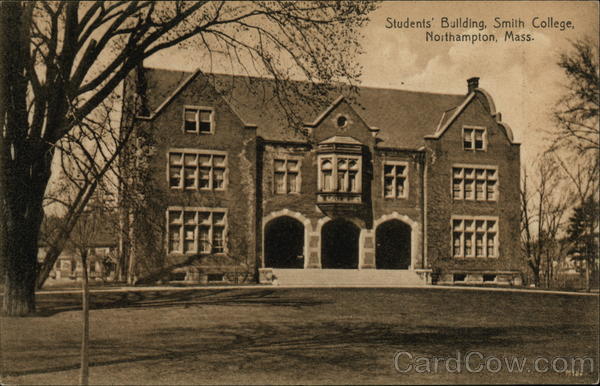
284 243
339 245
393 245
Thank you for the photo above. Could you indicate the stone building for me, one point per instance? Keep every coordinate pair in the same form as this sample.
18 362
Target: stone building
385 187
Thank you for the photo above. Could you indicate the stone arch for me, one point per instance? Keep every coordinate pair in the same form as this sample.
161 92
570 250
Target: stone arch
340 244
284 241
324 220
415 234
393 245
286 213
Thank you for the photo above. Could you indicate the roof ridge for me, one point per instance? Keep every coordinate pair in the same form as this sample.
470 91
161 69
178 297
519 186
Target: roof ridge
304 81
404 117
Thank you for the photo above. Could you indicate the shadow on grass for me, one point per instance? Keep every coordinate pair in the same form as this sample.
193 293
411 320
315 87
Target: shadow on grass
332 343
57 303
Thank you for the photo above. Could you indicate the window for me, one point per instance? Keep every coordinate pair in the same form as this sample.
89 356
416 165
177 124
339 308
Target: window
395 179
286 174
215 277
197 170
474 139
474 237
340 173
472 183
488 278
458 277
327 175
198 120
196 230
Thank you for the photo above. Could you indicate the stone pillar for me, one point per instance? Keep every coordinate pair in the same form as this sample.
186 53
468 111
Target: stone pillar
313 260
416 247
366 250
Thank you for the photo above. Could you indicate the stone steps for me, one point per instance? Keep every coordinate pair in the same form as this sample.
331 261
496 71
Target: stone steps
347 277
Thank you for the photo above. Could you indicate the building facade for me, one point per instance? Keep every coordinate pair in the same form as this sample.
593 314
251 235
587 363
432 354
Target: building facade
381 187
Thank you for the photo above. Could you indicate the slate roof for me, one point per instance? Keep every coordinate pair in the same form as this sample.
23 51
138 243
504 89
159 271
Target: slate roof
402 117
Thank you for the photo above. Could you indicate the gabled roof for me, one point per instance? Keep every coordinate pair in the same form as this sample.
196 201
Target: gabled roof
403 118
450 115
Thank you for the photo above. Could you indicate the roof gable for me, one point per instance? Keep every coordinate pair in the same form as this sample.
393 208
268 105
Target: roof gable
341 120
486 99
403 118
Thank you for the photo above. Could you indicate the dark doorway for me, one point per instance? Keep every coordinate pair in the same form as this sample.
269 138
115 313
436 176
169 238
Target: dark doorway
339 245
284 243
393 245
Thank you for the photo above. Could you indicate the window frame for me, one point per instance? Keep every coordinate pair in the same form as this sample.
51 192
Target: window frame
197 153
198 109
486 180
405 176
474 129
197 225
333 157
285 159
474 231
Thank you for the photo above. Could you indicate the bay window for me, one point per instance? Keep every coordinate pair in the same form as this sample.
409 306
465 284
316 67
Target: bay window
340 173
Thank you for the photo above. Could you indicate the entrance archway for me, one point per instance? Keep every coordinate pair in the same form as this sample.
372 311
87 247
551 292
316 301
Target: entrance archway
339 245
393 245
284 243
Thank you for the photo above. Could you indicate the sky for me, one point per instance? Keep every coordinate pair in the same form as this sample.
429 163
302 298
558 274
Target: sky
522 77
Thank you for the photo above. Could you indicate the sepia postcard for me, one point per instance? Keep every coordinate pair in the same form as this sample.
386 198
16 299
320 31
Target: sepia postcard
318 192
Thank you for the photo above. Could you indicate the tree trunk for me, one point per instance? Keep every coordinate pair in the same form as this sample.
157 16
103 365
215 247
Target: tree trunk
85 338
19 214
587 275
45 266
20 267
124 245
23 213
535 270
536 278
131 268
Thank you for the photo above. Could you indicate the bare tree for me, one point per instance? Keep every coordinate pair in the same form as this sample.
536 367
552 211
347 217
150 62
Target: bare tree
582 173
86 160
60 60
576 114
90 223
542 218
576 138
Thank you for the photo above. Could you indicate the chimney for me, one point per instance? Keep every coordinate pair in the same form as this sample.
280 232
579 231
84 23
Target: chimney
472 84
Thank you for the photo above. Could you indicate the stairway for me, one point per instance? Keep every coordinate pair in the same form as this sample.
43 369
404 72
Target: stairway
347 278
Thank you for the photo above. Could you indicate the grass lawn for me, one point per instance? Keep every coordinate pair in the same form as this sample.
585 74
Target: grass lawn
345 335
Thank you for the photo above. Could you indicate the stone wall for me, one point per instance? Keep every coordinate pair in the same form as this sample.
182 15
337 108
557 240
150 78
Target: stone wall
165 132
448 150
